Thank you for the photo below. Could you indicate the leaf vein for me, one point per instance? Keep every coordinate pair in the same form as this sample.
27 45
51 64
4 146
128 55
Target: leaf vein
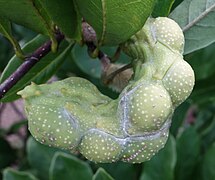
199 18
104 21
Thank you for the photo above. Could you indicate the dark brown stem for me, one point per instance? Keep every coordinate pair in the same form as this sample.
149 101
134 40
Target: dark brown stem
89 37
29 62
116 55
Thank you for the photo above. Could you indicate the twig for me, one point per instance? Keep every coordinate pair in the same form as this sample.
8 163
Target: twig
29 62
89 37
111 76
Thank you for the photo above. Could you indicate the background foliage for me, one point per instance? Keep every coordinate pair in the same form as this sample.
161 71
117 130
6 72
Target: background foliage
190 150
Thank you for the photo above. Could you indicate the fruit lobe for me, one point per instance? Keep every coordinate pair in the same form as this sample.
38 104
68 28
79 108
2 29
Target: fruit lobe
72 114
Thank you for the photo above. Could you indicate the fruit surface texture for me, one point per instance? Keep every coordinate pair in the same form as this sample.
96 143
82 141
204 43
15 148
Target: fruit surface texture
72 114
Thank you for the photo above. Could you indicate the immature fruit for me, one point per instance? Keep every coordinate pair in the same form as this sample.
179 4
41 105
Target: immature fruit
143 148
179 81
149 106
160 45
168 32
100 146
72 114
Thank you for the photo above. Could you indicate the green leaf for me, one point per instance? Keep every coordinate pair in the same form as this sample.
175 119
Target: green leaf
42 16
162 8
7 154
119 170
205 126
204 91
41 72
5 27
64 15
39 157
5 30
208 171
26 13
5 52
204 119
15 62
115 21
176 3
188 149
178 117
161 166
101 174
209 134
11 174
196 18
203 62
65 166
90 66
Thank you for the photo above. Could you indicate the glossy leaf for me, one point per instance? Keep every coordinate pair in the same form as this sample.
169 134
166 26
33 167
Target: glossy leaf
196 18
11 174
161 166
115 21
65 166
64 15
40 156
41 16
101 174
41 72
15 62
208 171
162 8
26 13
188 149
5 30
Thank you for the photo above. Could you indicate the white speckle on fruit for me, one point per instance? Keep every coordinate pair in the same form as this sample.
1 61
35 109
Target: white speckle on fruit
73 115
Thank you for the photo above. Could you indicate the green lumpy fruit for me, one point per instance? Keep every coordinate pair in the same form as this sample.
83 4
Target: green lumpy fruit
143 148
149 106
179 81
72 114
168 33
101 147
